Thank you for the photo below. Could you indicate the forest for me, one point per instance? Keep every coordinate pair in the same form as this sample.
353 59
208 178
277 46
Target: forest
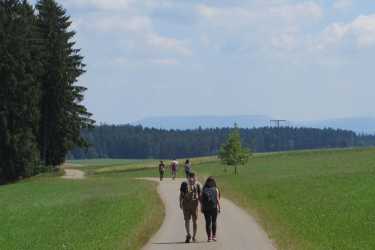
137 142
41 115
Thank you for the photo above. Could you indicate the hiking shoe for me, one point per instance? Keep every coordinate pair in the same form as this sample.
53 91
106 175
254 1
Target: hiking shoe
188 238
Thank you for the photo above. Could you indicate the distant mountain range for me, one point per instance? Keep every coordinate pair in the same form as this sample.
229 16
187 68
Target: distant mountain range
359 124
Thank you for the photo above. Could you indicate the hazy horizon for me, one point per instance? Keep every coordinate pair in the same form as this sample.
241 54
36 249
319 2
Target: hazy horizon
288 59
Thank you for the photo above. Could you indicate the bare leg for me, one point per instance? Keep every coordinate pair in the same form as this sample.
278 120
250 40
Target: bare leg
187 227
195 227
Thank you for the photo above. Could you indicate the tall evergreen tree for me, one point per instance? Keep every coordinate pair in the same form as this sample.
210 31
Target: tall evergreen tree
62 115
19 90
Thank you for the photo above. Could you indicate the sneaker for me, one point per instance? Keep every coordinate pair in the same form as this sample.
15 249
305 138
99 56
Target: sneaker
209 239
214 238
188 238
194 240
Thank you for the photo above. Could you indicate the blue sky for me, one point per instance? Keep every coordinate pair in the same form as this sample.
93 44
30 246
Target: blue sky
298 60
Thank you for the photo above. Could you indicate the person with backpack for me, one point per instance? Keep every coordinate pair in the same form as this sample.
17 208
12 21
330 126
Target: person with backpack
210 205
190 192
188 168
161 170
174 168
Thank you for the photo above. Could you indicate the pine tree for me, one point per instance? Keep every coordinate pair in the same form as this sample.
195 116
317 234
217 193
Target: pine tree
19 90
62 115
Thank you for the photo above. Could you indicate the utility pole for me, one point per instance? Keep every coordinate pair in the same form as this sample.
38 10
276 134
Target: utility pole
277 122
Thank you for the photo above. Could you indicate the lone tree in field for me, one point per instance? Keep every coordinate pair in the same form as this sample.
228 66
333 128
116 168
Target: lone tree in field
232 153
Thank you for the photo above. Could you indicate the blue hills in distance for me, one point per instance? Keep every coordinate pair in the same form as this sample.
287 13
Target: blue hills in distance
358 124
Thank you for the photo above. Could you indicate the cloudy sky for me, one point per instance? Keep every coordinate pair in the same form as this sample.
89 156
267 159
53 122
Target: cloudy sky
292 59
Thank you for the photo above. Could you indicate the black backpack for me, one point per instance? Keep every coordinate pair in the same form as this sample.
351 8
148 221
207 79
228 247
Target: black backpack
209 198
184 187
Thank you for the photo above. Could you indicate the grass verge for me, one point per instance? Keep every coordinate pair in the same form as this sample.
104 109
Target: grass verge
101 212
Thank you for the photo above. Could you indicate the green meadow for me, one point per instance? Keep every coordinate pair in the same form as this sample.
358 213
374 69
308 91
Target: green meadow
304 200
98 212
310 200
307 200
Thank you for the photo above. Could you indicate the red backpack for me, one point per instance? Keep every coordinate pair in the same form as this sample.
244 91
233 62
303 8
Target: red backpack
174 166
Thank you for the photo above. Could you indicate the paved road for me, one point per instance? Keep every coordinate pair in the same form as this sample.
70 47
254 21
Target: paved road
236 229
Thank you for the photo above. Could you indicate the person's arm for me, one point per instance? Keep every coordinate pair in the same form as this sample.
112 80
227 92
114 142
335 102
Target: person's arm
218 200
181 198
201 197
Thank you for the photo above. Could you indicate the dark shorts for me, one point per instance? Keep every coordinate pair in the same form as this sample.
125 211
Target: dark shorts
191 213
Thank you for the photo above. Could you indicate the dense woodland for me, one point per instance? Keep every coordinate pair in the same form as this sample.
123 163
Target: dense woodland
40 112
128 141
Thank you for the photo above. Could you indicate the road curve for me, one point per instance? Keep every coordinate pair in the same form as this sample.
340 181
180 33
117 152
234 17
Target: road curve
73 174
237 230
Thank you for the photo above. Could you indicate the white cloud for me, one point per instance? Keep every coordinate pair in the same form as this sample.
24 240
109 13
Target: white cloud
305 11
361 30
137 30
117 23
342 4
164 61
273 24
250 16
285 41
100 4
117 5
168 43
122 61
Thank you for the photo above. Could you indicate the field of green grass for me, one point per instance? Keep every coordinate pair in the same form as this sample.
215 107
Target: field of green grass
107 166
98 162
100 212
307 200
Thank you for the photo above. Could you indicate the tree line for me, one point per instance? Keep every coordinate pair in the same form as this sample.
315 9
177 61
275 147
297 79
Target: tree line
41 115
127 141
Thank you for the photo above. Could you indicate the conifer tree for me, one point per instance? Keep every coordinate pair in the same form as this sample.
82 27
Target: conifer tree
19 90
62 115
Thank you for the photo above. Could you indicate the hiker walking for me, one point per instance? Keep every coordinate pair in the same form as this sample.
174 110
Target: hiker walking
161 170
188 168
210 205
190 192
174 167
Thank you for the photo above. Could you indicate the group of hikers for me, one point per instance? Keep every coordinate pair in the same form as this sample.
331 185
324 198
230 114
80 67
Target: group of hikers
191 195
174 168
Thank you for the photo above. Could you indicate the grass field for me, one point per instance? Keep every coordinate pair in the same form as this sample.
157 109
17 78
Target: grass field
305 200
308 200
106 166
98 162
96 213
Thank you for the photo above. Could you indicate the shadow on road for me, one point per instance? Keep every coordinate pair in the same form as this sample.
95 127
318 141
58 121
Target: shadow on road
177 243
